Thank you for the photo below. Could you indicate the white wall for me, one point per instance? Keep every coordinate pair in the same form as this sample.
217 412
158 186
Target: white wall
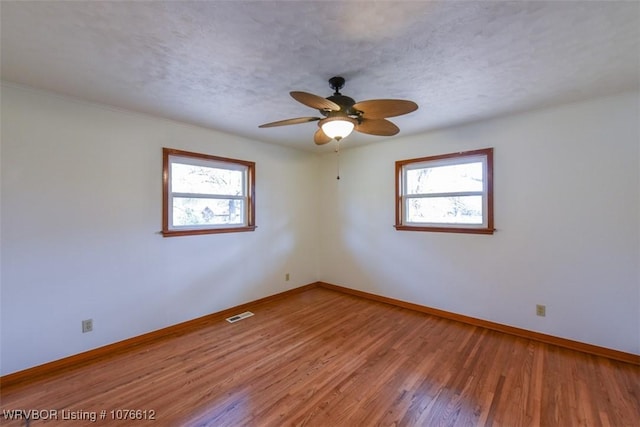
567 196
80 216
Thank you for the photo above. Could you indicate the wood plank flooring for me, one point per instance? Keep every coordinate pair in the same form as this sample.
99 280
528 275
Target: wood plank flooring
324 358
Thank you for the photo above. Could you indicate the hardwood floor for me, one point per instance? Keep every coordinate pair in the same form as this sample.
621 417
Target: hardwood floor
324 358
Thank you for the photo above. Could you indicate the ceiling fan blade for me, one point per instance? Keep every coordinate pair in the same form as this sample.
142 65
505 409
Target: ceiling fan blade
383 108
320 138
315 101
295 121
379 127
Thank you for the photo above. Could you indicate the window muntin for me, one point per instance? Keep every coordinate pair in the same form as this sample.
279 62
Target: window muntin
451 192
205 194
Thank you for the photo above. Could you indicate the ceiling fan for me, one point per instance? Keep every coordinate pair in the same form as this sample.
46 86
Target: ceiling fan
341 114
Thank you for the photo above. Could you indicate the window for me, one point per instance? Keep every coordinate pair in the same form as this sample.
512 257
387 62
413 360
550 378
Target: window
450 193
206 194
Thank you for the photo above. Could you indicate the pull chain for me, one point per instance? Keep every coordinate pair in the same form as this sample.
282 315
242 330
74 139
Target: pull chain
338 159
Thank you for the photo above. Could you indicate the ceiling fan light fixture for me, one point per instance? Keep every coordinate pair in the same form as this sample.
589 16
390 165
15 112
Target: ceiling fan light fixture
337 127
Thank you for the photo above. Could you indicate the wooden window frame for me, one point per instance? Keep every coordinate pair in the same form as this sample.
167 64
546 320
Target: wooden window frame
486 228
249 197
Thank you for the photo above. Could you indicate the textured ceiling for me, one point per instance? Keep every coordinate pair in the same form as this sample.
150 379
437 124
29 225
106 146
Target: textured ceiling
230 65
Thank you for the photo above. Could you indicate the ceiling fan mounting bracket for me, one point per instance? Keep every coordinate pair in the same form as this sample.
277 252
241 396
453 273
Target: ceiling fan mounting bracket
336 83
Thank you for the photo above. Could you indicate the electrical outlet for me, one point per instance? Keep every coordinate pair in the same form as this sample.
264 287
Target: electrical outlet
87 325
286 277
541 310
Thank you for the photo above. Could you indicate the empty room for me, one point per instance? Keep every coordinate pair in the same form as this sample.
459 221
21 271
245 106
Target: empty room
320 213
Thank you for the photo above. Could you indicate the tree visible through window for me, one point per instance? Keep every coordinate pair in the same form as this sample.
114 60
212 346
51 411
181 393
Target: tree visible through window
206 194
451 192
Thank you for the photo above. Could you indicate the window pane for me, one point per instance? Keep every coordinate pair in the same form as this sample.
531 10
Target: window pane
197 211
445 179
445 210
206 180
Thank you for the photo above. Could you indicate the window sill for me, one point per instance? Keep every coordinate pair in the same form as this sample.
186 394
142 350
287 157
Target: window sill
446 229
175 233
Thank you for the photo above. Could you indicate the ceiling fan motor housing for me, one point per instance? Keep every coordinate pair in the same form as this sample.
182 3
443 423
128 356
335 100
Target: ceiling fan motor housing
346 107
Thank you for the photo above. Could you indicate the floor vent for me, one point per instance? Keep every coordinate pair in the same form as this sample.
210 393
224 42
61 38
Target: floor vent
240 316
